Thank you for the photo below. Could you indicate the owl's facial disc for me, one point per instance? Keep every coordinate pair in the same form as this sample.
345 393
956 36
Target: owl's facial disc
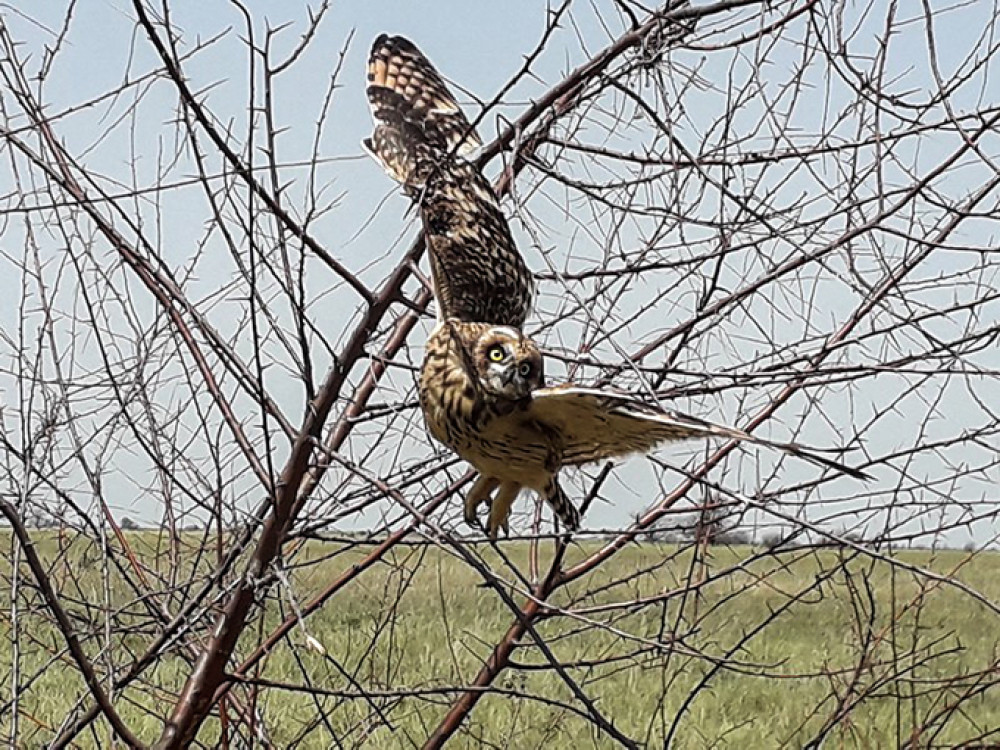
511 369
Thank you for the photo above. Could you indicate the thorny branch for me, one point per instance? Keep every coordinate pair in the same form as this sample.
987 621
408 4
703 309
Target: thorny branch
777 214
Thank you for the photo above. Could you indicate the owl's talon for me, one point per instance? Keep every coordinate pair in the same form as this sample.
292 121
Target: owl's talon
480 493
494 529
500 509
492 523
471 517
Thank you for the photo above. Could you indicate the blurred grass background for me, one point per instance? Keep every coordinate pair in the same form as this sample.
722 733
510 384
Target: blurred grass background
783 639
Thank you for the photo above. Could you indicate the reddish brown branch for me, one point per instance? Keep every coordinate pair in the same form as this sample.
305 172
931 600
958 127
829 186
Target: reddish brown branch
500 658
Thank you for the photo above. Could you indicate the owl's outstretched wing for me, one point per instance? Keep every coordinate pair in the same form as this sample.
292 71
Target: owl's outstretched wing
597 424
420 138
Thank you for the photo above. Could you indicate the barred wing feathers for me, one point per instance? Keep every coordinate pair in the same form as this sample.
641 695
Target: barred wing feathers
417 119
479 274
597 424
420 136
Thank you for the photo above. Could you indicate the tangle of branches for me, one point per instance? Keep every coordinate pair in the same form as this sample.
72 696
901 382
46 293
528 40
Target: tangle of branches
225 524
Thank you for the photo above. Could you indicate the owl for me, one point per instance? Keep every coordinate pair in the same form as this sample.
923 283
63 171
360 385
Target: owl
421 139
483 395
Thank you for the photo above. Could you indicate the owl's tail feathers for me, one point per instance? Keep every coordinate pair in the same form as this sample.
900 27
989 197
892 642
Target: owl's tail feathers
561 504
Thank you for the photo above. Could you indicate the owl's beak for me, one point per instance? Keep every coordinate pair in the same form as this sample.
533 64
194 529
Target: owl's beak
508 382
515 383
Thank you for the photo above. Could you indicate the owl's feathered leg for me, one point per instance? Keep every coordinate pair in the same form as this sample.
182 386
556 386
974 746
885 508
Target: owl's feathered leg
500 508
561 504
480 493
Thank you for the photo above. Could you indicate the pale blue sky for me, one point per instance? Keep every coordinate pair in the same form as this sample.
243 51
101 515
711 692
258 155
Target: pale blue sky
480 45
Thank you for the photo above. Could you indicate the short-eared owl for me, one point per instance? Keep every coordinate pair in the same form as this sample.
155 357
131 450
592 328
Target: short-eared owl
481 385
421 138
482 393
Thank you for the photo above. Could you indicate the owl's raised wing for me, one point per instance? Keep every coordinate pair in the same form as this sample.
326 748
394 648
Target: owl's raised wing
406 92
479 274
420 138
596 424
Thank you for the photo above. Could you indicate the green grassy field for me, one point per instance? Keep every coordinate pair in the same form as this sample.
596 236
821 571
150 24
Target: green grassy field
895 648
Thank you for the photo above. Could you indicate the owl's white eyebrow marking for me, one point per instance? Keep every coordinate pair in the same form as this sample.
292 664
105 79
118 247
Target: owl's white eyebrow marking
505 331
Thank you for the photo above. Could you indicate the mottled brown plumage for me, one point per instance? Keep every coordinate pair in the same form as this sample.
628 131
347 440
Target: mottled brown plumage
421 137
475 388
482 396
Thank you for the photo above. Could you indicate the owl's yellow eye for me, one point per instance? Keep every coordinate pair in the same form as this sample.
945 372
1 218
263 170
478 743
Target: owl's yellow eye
496 354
